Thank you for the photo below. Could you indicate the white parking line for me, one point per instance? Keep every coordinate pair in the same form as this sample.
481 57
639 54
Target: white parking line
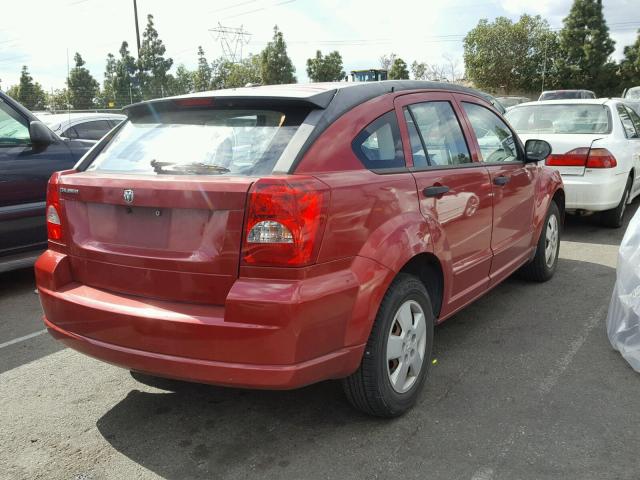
22 339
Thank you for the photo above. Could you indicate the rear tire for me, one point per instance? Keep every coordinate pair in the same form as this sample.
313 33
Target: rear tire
545 261
397 356
614 218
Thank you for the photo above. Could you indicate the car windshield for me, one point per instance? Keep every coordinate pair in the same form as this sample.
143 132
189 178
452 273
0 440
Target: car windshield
571 119
214 141
633 93
510 101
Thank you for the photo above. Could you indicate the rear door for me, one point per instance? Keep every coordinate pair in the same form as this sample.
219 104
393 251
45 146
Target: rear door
24 172
453 188
634 144
512 183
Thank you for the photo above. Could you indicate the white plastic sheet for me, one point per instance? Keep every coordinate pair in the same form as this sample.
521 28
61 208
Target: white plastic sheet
623 319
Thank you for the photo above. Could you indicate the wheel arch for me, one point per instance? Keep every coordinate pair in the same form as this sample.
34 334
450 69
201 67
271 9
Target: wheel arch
428 269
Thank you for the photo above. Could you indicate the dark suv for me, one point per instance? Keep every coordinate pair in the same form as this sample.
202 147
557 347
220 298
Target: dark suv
29 154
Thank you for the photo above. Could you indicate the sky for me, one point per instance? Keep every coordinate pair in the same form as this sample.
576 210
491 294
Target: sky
39 33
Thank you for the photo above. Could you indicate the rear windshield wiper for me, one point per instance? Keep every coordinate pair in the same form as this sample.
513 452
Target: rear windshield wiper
172 168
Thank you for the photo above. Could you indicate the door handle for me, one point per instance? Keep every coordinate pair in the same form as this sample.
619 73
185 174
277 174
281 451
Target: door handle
435 191
501 180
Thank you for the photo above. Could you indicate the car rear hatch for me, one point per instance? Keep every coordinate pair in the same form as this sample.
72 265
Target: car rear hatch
159 211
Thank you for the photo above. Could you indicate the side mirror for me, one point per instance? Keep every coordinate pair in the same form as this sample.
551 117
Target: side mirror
536 151
40 134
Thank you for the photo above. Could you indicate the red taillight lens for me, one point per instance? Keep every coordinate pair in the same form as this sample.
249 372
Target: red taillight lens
574 158
583 157
601 158
54 225
285 221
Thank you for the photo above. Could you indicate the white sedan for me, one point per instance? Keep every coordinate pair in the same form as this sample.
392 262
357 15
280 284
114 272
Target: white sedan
81 126
596 149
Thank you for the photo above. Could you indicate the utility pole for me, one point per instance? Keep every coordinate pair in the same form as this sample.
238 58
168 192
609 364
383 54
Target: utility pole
135 14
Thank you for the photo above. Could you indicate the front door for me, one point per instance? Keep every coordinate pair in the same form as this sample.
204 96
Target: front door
512 183
24 172
454 191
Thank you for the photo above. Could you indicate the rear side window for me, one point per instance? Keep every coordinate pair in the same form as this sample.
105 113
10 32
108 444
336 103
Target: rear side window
379 146
627 123
495 139
635 118
441 134
93 130
205 141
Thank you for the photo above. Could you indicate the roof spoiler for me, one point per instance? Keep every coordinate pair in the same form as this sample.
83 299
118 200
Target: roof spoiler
226 99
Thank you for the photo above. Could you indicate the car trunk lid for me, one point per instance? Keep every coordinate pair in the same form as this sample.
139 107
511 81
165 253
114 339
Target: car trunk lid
169 237
569 151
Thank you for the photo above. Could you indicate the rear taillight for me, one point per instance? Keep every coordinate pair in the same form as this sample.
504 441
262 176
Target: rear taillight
601 158
54 224
583 157
285 221
574 158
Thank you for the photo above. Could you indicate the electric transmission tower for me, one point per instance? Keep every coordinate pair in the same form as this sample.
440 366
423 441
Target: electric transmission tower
232 40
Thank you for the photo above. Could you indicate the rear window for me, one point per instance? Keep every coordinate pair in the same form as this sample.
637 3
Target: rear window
565 119
200 141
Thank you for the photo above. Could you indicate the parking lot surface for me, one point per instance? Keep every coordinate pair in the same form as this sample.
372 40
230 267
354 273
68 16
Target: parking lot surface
526 386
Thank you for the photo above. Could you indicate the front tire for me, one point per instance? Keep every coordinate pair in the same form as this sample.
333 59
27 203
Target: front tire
545 261
614 218
397 357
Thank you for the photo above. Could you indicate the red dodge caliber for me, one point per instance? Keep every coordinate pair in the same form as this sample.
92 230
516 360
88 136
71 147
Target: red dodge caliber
273 237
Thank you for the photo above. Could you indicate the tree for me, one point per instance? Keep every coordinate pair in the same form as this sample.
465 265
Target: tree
399 70
182 83
83 88
28 92
58 100
108 93
585 46
325 68
386 61
153 64
275 65
508 56
202 76
226 74
630 64
126 83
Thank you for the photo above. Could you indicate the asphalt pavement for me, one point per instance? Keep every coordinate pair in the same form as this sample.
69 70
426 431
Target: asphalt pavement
526 386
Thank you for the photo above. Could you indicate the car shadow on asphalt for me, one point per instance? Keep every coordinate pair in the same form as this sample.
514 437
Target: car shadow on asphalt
200 431
587 228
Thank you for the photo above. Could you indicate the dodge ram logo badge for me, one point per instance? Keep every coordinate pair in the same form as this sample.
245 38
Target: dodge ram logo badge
128 195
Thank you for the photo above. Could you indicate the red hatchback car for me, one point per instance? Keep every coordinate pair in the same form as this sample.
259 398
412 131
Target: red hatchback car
273 237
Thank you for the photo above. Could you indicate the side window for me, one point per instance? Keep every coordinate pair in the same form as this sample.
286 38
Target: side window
70 133
94 130
496 140
440 133
13 131
627 123
379 146
635 118
417 150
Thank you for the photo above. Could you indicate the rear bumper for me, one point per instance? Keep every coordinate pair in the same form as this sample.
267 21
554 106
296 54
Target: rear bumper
276 333
218 373
593 192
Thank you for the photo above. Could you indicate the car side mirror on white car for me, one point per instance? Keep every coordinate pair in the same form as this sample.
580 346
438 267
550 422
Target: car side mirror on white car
536 151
